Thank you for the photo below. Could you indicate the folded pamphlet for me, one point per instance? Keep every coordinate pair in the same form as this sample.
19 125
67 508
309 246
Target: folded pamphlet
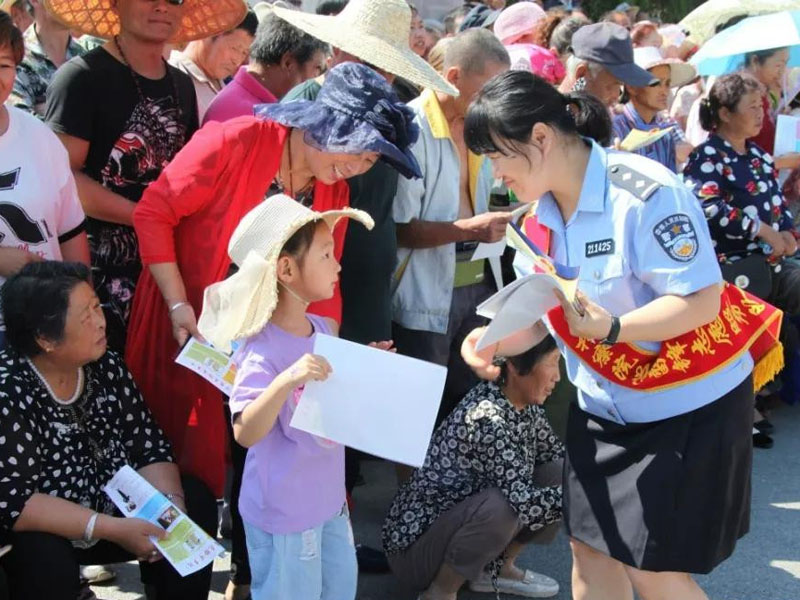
211 364
187 547
525 301
638 139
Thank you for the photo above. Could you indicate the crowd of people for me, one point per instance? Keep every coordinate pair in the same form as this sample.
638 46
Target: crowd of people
252 176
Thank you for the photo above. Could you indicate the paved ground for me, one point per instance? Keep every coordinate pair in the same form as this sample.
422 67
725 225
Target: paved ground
766 565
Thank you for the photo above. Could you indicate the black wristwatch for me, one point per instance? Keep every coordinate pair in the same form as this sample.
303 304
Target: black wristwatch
613 334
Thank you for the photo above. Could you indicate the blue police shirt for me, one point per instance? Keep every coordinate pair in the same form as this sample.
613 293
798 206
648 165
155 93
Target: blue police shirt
629 254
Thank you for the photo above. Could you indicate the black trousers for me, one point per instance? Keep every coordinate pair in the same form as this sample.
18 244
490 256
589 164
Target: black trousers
3 585
785 292
45 566
240 561
785 295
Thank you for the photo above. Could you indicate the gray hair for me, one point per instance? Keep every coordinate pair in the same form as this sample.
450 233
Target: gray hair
275 37
473 49
561 39
573 62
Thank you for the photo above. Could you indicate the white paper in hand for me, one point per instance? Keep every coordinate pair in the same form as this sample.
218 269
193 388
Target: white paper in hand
787 135
517 306
486 250
374 401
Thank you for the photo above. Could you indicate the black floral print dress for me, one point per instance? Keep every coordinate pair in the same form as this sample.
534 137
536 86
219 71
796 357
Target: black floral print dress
738 192
71 451
484 443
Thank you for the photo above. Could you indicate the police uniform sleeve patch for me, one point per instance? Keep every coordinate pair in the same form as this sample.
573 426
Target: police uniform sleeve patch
677 237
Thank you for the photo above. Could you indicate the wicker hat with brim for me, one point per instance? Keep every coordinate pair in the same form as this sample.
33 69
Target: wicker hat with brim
680 72
242 305
201 18
355 111
376 32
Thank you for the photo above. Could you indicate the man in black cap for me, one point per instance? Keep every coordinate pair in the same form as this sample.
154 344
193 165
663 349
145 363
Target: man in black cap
602 61
480 16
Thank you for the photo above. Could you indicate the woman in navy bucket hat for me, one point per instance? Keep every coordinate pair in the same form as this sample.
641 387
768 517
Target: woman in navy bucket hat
185 220
355 111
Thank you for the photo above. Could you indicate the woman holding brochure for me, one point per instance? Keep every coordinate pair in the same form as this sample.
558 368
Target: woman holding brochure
657 469
72 417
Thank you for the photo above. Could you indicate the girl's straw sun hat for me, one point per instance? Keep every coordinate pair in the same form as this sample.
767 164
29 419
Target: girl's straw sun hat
242 305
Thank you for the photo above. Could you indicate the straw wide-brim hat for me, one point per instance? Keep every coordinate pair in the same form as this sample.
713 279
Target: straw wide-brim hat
649 57
201 18
375 31
242 305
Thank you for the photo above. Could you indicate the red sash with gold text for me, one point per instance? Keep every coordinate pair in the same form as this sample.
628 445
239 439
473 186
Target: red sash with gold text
745 323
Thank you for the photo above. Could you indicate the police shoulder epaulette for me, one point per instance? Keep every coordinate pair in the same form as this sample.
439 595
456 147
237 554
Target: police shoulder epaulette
633 181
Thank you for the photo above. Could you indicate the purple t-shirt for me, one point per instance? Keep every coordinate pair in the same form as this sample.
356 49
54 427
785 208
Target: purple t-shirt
293 480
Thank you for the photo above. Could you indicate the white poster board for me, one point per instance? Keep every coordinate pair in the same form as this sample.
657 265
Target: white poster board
375 401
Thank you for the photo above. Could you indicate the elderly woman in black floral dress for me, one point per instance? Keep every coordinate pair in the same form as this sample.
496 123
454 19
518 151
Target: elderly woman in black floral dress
70 417
491 483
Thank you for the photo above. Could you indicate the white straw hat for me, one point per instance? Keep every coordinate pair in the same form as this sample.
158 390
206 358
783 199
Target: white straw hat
376 31
649 57
201 18
242 305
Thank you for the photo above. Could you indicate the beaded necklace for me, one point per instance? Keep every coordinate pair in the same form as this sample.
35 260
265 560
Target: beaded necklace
135 75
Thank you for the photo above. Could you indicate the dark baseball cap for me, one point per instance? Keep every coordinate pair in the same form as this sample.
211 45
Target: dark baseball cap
479 16
609 45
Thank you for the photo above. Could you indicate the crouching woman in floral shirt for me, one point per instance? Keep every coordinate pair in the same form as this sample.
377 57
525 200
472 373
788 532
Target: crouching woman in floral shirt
491 483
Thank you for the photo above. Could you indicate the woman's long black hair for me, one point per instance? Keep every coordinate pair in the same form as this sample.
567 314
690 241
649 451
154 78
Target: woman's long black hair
501 118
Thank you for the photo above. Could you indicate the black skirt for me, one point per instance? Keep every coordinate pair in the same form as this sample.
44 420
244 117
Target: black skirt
672 495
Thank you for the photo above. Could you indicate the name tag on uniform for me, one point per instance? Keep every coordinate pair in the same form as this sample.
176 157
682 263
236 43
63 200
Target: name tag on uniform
599 248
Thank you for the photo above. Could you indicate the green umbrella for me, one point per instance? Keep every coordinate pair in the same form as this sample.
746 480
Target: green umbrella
703 20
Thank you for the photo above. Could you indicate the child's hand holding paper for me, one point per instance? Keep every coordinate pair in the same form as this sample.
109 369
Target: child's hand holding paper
310 367
388 346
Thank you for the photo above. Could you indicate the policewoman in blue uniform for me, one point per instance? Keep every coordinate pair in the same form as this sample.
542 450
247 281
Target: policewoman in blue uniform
657 473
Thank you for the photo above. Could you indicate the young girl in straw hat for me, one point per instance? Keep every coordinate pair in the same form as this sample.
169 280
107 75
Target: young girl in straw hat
293 497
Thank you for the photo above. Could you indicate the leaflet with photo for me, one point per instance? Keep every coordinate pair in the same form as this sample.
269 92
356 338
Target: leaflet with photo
187 547
213 365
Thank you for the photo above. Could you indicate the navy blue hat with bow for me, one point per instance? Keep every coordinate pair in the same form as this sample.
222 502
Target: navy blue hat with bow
356 111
